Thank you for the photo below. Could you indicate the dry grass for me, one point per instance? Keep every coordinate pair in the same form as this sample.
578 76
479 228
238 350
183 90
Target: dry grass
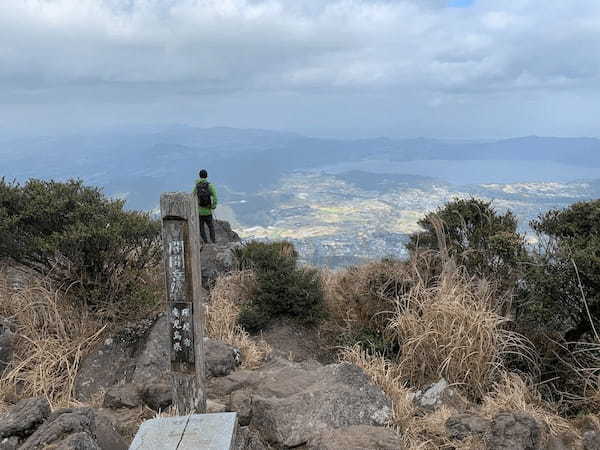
52 337
229 292
454 330
419 432
365 295
513 393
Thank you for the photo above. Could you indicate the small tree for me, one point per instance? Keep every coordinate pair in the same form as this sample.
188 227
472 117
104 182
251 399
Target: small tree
473 232
563 284
77 236
282 288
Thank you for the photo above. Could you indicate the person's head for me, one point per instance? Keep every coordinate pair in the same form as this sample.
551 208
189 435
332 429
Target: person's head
203 173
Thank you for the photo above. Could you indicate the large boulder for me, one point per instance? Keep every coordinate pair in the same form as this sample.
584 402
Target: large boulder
139 355
292 403
221 359
357 437
23 419
514 431
113 361
75 428
217 259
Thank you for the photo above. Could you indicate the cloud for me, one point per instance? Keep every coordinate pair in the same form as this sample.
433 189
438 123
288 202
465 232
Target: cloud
87 50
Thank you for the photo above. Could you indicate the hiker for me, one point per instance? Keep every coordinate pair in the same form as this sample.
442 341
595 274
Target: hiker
207 201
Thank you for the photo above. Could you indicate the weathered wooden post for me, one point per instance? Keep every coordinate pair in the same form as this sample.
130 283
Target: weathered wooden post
180 232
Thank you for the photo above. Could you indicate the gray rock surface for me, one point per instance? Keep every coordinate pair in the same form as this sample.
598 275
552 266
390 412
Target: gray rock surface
438 394
241 402
591 440
152 360
55 429
221 359
76 429
78 441
110 363
358 437
140 355
123 396
464 425
292 403
218 258
514 431
11 443
24 417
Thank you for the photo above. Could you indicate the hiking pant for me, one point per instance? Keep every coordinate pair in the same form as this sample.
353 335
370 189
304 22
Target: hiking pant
208 220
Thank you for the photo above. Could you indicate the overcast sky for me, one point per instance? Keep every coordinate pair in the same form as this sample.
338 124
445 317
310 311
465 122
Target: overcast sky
460 68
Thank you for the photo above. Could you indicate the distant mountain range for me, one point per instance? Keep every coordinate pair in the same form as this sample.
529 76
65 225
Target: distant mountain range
139 165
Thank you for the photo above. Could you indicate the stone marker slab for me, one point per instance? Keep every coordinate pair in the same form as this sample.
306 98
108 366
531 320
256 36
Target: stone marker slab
193 432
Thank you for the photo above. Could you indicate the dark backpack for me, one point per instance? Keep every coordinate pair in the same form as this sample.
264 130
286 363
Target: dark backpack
203 193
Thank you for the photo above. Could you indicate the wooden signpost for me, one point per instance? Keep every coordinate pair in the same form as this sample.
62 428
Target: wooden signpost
180 232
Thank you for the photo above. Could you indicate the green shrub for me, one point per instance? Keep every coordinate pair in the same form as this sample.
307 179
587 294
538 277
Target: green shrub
83 240
282 288
568 253
472 232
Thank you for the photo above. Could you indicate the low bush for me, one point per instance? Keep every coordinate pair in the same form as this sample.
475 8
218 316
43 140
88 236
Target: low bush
282 288
81 239
471 231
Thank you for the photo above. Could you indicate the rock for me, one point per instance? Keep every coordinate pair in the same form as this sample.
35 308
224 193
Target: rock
465 425
11 443
24 417
71 421
514 431
248 439
214 407
358 437
152 361
107 436
158 396
108 364
7 340
293 404
221 359
217 259
123 396
564 441
438 394
241 403
591 440
78 441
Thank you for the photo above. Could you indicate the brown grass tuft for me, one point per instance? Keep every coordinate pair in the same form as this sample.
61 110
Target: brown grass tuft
52 337
231 291
513 393
454 330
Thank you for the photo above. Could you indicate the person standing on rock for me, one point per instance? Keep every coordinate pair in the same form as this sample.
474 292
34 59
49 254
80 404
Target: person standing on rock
207 202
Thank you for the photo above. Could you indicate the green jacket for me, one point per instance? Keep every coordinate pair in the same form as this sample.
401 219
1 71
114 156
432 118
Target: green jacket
213 197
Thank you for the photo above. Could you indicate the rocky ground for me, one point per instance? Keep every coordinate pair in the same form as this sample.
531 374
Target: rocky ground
301 397
287 403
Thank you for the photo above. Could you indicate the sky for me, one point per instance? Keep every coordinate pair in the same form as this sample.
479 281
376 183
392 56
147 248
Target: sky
344 68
